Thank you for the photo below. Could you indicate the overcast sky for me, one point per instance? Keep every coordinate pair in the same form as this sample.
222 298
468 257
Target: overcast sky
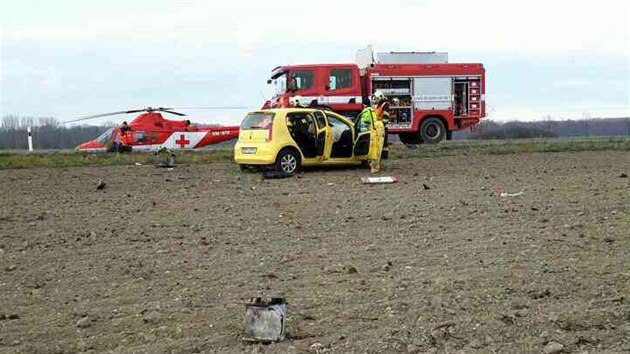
563 59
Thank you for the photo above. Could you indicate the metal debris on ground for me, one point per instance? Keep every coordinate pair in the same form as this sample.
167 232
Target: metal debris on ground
101 184
265 321
170 158
275 175
505 194
384 179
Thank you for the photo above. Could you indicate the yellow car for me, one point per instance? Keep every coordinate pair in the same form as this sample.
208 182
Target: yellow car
287 138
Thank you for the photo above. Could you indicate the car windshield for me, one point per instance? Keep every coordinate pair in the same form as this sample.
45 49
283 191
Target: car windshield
280 84
105 137
257 120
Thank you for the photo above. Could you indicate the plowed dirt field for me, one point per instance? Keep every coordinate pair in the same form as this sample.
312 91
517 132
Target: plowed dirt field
162 261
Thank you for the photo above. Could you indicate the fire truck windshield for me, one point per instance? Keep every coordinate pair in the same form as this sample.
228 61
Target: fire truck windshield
280 84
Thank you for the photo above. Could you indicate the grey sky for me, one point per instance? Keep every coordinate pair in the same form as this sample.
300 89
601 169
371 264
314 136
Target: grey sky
565 59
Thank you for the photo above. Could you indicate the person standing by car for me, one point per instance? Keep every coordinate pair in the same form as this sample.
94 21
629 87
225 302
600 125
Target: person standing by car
382 111
368 120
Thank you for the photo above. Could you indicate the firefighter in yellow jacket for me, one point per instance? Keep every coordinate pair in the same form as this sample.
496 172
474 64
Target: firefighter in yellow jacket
369 120
382 111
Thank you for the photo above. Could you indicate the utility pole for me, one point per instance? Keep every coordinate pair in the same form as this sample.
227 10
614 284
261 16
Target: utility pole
30 138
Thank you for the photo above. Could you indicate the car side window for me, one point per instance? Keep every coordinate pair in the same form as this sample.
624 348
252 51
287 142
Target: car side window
338 127
300 122
321 119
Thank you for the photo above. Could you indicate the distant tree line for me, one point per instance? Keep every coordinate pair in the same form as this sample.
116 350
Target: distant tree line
48 133
549 129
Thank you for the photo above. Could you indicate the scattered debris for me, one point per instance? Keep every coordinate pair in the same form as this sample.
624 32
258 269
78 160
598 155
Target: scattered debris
138 164
84 322
553 347
425 187
351 270
505 194
539 294
10 268
151 317
101 185
442 332
275 175
316 347
384 179
508 318
623 175
265 320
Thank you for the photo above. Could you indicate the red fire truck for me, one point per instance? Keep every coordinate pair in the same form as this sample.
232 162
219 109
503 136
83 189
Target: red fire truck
429 97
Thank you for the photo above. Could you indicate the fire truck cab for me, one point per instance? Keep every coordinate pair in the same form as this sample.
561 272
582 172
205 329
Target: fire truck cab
429 97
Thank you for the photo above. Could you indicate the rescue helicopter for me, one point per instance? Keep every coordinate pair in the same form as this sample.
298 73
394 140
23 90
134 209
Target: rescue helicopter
150 131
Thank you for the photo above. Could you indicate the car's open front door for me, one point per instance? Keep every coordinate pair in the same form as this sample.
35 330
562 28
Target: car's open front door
324 137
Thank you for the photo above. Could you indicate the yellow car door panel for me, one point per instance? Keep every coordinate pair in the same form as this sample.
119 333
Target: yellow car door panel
324 136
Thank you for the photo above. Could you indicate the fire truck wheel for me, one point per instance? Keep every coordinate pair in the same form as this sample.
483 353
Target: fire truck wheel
288 161
432 130
242 167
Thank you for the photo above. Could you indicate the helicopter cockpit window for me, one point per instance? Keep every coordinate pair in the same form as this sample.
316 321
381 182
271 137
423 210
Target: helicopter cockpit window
140 137
106 137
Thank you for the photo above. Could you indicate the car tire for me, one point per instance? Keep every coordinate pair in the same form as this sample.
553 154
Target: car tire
432 130
288 162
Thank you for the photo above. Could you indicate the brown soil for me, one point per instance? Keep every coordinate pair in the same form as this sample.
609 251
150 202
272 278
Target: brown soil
162 261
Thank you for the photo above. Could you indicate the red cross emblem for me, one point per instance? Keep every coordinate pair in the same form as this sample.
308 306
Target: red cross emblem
182 141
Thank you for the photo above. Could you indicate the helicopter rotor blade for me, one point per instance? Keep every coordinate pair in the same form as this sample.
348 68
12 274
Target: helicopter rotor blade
95 116
214 107
173 112
152 109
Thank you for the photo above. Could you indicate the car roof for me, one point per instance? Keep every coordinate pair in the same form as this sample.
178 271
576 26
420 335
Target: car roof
284 111
295 109
287 110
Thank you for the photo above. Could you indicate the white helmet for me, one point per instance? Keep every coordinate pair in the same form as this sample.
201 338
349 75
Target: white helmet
296 100
379 95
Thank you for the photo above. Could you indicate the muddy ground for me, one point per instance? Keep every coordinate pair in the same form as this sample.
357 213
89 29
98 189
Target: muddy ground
162 261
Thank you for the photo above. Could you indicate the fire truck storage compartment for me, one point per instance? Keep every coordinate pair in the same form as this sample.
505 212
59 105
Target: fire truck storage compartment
467 96
398 92
432 93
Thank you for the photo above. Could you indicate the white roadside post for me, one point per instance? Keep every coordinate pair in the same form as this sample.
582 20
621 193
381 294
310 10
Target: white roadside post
30 139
